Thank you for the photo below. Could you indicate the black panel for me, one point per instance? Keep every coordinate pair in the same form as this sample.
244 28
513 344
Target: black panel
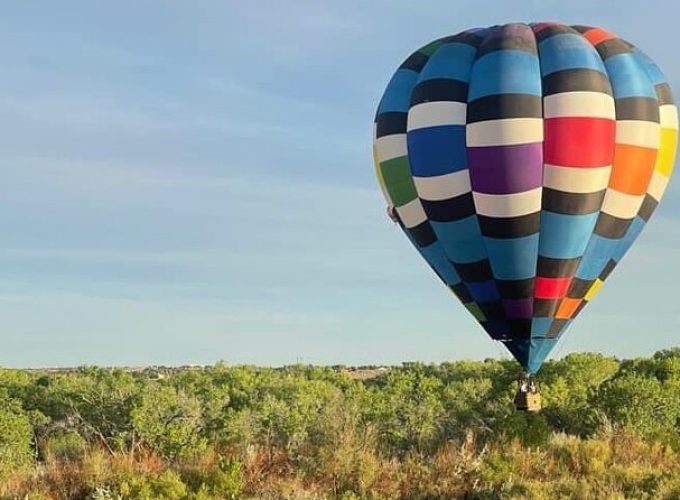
664 94
637 108
507 42
611 227
649 204
439 89
545 308
575 80
580 308
492 310
390 123
562 202
556 327
451 209
510 227
466 37
579 288
581 28
423 234
520 328
608 269
556 268
494 107
516 289
611 48
462 293
474 271
557 29
415 62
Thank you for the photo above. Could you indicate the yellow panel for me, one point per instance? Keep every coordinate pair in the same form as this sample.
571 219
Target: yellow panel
665 159
594 288
379 175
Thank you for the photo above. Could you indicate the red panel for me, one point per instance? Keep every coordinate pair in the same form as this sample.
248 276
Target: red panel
579 142
598 35
551 288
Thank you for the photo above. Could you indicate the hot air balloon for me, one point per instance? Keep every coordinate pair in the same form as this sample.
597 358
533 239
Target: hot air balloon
522 161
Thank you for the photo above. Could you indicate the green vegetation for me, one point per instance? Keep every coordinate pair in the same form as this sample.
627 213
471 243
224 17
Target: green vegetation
609 429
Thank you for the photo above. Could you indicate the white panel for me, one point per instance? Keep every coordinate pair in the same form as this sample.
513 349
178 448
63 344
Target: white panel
508 205
621 205
668 116
576 180
443 187
657 185
412 213
433 114
391 146
504 132
579 104
638 133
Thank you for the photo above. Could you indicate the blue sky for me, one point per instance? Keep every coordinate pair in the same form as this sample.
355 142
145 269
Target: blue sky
184 182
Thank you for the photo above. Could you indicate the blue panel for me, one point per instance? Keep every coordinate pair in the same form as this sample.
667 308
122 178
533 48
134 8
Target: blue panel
397 96
628 77
437 150
653 71
565 236
520 351
505 72
600 250
461 240
568 51
434 255
628 239
513 259
453 60
485 291
540 326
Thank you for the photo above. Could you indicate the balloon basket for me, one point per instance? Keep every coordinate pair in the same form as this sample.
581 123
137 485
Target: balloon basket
528 397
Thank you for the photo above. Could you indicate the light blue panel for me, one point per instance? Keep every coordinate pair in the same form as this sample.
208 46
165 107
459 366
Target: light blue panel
565 236
540 326
397 96
505 72
461 240
513 259
628 77
568 51
437 150
600 250
436 258
452 60
539 350
628 239
484 291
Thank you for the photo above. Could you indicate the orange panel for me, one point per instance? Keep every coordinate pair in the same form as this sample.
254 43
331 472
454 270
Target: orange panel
598 35
567 308
632 169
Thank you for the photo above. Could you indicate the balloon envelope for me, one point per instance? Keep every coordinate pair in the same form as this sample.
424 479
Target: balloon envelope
522 161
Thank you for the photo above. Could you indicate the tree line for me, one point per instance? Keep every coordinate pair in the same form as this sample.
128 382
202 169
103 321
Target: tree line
609 429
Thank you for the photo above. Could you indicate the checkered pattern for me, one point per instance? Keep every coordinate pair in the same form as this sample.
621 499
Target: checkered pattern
522 161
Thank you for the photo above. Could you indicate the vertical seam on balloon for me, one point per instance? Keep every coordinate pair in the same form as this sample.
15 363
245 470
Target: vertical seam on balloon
540 213
481 235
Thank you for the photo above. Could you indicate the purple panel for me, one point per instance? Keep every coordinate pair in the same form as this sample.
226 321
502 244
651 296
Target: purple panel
506 169
519 308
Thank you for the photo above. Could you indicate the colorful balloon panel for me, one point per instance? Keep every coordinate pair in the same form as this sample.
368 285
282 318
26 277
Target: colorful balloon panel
523 161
